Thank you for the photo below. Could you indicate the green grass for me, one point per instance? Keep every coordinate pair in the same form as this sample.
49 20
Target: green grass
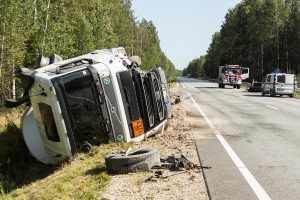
172 82
172 85
22 177
297 95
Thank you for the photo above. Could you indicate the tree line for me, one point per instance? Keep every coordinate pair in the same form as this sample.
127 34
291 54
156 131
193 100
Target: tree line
69 28
263 35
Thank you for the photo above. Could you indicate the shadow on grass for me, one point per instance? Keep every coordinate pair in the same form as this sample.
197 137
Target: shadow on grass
96 171
17 166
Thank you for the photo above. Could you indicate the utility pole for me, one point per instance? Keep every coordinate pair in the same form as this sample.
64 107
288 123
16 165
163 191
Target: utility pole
2 54
13 81
132 38
277 34
35 11
46 26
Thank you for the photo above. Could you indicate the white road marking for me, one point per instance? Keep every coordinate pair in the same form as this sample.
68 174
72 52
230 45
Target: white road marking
181 83
271 107
256 187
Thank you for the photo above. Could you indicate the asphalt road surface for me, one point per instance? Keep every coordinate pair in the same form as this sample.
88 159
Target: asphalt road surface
251 143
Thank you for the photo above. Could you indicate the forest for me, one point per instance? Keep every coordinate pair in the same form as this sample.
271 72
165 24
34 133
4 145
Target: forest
70 28
263 35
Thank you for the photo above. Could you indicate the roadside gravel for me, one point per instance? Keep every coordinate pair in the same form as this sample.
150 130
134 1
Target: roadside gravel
187 185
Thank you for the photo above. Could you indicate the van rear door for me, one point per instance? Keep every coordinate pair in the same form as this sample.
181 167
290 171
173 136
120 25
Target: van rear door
285 83
289 83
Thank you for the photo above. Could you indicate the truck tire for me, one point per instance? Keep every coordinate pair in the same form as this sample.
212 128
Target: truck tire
272 93
238 86
220 86
262 92
136 160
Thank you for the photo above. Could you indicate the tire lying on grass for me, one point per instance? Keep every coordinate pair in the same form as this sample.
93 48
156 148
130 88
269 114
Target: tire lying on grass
136 160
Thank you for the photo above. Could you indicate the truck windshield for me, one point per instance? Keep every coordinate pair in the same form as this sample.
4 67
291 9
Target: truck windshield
83 107
233 70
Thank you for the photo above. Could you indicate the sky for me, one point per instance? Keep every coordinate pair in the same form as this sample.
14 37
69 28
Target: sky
185 27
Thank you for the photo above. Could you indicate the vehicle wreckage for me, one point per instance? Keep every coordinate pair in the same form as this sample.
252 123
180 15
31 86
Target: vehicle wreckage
92 99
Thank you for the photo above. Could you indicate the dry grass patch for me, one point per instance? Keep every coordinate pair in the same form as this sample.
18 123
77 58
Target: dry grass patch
84 177
22 177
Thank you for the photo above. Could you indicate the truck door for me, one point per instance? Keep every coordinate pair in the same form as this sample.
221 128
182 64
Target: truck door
245 73
79 96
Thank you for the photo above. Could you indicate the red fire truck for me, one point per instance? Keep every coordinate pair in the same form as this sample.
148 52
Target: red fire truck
230 75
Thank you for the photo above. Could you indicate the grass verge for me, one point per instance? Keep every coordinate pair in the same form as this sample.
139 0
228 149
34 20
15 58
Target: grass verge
22 177
172 82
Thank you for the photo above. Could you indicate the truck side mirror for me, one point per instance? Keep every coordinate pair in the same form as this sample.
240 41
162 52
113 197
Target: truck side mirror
135 59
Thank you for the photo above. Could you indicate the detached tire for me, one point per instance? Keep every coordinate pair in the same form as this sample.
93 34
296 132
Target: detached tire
272 94
136 160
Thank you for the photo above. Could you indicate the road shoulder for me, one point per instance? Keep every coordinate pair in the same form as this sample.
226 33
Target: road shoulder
177 139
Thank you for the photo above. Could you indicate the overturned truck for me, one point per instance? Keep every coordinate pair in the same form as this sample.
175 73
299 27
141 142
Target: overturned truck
92 99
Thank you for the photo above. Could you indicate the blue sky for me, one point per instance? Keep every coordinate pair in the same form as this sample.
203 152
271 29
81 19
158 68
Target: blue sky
185 27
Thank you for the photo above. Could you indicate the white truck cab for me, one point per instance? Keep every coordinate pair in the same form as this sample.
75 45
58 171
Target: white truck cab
89 100
279 84
245 73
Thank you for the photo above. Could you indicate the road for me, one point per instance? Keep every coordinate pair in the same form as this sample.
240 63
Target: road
251 143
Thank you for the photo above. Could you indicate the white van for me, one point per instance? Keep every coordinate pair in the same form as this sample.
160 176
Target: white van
279 84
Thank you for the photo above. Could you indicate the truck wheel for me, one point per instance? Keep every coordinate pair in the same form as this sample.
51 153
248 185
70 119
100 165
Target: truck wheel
272 93
291 95
220 86
262 93
135 160
238 86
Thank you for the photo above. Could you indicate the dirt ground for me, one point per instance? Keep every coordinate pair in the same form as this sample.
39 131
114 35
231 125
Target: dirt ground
177 139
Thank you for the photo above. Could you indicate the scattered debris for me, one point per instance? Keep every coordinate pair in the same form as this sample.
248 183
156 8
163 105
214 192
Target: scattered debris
192 178
128 151
205 167
178 163
173 163
177 100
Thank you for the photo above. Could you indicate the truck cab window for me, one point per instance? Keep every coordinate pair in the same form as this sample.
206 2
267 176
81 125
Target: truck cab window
81 99
49 122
